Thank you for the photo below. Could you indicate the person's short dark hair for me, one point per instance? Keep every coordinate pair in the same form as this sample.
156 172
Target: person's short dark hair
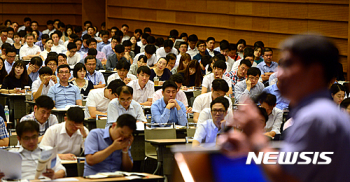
63 66
170 56
220 57
174 33
92 52
143 57
169 83
27 19
49 22
126 120
248 52
28 29
210 38
114 28
119 33
122 64
254 71
125 89
61 24
246 62
177 78
119 48
193 38
10 49
145 36
266 49
29 35
183 35
51 58
89 57
75 114
315 49
117 38
125 25
115 84
205 60
104 32
73 36
4 30
220 64
200 42
147 29
224 46
71 46
262 112
222 100
220 85
150 40
144 69
44 101
22 33
10 29
150 49
59 33
242 41
36 61
78 67
87 22
27 126
127 43
168 43
259 44
6 46
63 55
345 103
78 29
335 88
77 39
45 70
86 37
269 99
233 47
181 43
45 36
138 31
159 41
88 41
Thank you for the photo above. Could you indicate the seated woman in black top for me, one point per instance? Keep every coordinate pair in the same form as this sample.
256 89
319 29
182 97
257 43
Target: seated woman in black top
3 72
192 74
160 70
79 73
18 78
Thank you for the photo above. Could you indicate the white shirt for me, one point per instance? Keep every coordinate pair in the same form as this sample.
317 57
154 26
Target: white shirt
58 49
26 50
30 161
203 101
205 114
208 80
142 46
8 40
47 31
275 121
150 62
52 120
72 61
238 62
116 76
57 136
44 55
229 63
126 37
115 110
206 132
36 84
141 95
178 57
97 99
192 52
161 52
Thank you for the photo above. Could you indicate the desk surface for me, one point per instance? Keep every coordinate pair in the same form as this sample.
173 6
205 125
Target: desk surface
167 141
149 177
63 162
13 95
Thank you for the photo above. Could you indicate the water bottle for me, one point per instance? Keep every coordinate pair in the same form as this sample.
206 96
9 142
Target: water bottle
7 113
28 93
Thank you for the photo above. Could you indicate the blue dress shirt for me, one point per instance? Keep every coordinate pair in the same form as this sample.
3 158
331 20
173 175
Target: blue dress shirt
83 49
40 44
33 75
281 102
160 114
64 96
98 140
8 66
115 110
101 45
107 49
265 69
95 78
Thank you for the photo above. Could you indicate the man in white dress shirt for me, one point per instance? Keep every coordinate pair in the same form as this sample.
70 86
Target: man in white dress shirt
123 68
29 50
143 88
219 69
149 53
69 136
192 49
57 47
42 85
274 122
168 48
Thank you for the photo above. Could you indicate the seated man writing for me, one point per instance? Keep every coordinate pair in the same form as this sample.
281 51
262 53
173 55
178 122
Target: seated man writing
275 115
42 114
207 131
30 151
67 136
168 109
108 149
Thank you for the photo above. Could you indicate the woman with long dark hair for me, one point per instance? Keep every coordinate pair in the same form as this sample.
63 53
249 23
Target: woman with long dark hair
192 74
18 78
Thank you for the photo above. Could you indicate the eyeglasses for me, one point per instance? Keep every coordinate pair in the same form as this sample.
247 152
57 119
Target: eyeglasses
123 100
52 64
220 111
